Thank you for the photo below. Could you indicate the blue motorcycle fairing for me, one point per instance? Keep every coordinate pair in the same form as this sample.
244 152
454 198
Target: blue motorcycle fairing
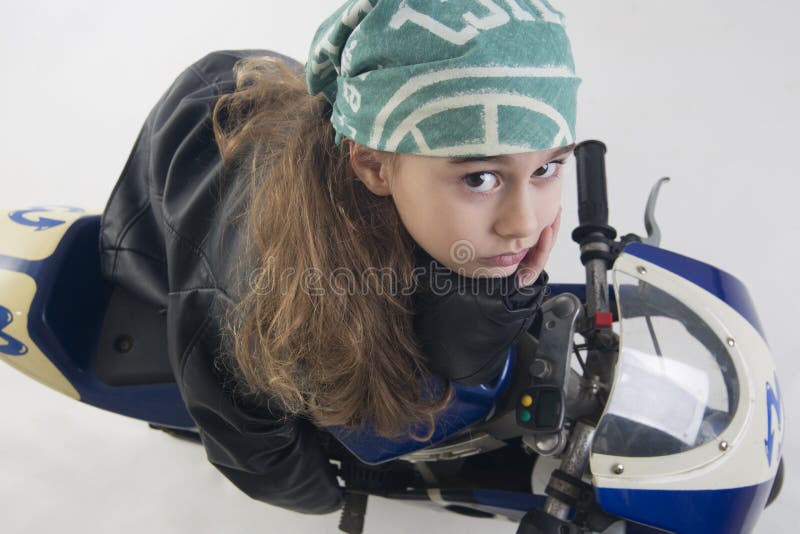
702 511
470 405
64 322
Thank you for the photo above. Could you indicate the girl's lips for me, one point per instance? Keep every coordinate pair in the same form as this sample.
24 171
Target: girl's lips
506 260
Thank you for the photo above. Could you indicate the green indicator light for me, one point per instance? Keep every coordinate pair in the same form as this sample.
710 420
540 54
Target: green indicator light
524 416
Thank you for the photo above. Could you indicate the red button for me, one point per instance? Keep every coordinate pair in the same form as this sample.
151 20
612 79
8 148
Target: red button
603 319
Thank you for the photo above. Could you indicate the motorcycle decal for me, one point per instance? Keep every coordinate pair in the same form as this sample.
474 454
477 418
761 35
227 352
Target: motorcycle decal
33 233
773 406
42 222
9 345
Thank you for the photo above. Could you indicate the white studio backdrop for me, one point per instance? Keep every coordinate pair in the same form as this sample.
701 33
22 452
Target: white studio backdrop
705 92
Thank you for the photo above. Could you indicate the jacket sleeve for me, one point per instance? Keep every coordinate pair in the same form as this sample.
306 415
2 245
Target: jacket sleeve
271 458
161 235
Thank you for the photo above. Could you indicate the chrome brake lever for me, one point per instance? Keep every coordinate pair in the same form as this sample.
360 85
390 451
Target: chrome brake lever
653 231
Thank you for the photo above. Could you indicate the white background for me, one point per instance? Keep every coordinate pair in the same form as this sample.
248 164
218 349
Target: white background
703 91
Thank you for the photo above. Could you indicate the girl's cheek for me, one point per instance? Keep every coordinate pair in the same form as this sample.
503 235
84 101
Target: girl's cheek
550 204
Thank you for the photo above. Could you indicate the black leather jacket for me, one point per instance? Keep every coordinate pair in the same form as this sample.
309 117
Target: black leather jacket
166 236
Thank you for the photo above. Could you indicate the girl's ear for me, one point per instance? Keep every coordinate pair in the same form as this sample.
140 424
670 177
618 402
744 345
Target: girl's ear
372 168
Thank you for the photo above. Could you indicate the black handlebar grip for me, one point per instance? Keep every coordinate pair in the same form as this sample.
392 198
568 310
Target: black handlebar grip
592 195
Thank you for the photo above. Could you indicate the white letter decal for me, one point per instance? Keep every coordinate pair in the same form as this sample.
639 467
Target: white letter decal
352 96
353 16
408 14
518 12
498 17
547 12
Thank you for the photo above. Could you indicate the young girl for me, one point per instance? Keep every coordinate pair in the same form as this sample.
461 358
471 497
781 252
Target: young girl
326 239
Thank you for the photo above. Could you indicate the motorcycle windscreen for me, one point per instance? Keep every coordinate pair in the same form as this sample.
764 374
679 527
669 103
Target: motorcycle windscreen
689 439
676 386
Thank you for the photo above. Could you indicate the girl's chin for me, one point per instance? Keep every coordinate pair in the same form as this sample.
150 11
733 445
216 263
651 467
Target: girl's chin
484 271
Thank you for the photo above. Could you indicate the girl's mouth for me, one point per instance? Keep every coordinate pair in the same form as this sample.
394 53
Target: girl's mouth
506 260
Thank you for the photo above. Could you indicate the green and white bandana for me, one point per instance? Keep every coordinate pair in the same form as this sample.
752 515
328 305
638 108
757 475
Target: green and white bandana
447 77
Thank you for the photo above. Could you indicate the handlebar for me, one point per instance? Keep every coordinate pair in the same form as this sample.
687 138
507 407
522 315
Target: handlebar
592 194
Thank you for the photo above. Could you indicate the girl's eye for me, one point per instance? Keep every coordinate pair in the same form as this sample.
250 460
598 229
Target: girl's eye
486 181
480 182
547 170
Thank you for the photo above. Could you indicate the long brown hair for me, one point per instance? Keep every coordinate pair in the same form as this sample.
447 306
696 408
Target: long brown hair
341 355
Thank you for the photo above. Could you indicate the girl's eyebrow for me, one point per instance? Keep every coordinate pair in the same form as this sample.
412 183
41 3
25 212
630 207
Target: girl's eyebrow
558 152
563 150
478 158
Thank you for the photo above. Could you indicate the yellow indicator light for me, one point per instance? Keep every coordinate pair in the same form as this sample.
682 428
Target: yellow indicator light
527 400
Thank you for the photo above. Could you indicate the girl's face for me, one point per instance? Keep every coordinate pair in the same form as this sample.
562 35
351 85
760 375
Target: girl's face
465 212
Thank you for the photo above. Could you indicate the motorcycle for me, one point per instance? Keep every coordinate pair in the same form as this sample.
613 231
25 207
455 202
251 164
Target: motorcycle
646 405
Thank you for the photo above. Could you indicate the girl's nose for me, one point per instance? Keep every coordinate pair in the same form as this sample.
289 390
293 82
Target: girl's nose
517 218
